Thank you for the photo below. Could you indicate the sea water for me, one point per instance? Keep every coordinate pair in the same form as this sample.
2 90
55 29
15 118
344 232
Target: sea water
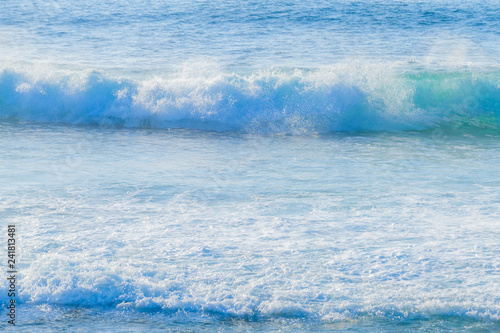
264 166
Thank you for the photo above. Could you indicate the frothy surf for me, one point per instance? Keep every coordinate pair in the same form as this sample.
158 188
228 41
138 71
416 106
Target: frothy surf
130 289
290 101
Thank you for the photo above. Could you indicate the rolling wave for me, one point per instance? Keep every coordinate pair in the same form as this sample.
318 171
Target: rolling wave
156 292
289 101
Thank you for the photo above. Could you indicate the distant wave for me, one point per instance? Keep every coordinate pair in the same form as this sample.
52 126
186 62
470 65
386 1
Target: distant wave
290 101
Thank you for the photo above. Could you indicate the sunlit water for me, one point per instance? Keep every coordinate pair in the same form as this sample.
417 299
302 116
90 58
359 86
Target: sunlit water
218 166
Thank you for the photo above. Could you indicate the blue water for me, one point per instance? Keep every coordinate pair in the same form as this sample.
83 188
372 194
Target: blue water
264 166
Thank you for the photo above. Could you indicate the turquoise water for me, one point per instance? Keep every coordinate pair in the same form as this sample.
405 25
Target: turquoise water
215 166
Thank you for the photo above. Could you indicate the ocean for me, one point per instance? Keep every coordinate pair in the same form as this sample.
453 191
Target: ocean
268 166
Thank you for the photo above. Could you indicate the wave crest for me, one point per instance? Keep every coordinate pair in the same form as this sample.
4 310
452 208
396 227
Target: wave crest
290 101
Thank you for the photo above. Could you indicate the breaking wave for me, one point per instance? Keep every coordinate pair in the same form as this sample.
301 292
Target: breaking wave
290 101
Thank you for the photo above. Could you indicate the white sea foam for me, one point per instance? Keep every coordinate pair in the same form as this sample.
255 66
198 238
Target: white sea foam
330 99
249 227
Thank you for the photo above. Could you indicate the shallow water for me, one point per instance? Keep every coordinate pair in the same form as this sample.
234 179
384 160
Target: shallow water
203 228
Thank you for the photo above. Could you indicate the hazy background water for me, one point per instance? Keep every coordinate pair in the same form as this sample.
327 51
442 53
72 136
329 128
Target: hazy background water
156 35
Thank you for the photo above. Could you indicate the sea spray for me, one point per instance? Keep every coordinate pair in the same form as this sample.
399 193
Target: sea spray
285 101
